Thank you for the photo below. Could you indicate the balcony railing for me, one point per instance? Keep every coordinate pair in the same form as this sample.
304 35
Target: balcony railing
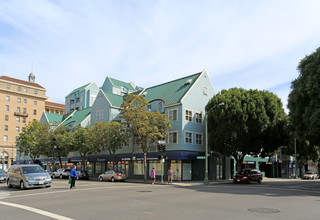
20 114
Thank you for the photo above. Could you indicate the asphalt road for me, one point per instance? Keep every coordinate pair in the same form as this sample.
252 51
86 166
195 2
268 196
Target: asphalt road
277 199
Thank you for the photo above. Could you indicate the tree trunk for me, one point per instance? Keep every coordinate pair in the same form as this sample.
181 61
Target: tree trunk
60 162
83 158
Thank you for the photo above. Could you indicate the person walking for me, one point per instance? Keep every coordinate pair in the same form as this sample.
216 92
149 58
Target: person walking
73 176
153 176
170 175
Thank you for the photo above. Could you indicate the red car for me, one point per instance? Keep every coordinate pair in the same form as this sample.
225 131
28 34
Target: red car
248 176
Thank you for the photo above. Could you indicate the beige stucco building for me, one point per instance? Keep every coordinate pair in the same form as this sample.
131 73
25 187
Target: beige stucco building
20 102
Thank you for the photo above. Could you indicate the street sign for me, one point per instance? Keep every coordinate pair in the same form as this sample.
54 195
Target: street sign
201 157
162 142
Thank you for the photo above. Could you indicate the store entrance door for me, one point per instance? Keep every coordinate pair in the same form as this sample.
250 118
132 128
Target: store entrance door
186 168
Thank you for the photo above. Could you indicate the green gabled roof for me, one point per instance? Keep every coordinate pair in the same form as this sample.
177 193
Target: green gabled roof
122 84
78 89
77 117
54 118
171 92
116 100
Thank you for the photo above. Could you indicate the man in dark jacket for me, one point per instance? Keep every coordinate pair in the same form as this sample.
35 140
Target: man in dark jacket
73 176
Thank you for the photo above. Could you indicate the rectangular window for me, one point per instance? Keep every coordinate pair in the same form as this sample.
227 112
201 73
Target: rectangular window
5 138
199 118
35 92
205 90
7 107
25 101
34 112
25 90
17 129
35 103
188 115
6 117
19 89
24 120
138 168
173 115
23 129
188 137
99 115
199 139
24 111
19 100
173 137
17 138
18 109
18 119
7 98
6 128
8 86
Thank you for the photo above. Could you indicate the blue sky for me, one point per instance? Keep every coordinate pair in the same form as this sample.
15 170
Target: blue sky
249 44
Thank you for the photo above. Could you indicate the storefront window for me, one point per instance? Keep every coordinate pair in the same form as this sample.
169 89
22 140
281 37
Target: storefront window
157 166
138 168
176 167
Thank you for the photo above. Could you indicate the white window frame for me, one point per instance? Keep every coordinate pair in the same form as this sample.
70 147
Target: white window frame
172 111
99 115
177 137
196 139
25 101
185 117
7 98
19 100
25 90
5 138
18 109
6 128
196 118
205 90
7 108
185 137
35 103
18 129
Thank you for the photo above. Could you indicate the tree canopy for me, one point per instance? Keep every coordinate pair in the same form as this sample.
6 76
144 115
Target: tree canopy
304 104
32 140
249 122
146 125
110 136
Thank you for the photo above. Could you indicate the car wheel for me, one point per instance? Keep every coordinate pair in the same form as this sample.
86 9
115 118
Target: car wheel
101 179
60 176
48 186
22 185
260 180
112 179
249 181
9 184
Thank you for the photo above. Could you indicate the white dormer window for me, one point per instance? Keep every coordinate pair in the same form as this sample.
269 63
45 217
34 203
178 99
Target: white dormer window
205 90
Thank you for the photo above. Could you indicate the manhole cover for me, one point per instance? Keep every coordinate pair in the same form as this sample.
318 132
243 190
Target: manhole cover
264 210
144 191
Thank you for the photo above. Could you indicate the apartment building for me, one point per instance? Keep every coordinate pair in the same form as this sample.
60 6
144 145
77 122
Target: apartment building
54 107
20 102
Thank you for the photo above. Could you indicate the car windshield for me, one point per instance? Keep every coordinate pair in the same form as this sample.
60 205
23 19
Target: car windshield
2 171
32 169
244 172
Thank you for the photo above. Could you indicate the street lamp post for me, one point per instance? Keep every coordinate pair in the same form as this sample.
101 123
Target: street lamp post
206 179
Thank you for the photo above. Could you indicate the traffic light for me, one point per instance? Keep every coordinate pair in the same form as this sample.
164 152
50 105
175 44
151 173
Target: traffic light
163 148
159 148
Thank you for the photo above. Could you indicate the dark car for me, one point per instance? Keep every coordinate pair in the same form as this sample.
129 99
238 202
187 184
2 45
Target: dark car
3 176
83 175
248 176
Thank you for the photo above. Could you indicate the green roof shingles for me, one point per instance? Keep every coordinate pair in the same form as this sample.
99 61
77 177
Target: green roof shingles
54 118
78 117
171 92
78 89
123 84
116 100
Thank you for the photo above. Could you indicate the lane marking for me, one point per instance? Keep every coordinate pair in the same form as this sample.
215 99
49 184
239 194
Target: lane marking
68 190
271 188
38 211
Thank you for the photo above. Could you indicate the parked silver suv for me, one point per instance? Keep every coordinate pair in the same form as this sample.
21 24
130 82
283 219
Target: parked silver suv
28 176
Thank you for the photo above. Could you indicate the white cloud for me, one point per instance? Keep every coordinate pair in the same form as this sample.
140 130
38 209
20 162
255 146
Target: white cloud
250 44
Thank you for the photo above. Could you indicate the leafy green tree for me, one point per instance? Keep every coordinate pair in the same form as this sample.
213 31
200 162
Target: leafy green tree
110 136
33 139
146 125
304 105
83 143
60 144
250 122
